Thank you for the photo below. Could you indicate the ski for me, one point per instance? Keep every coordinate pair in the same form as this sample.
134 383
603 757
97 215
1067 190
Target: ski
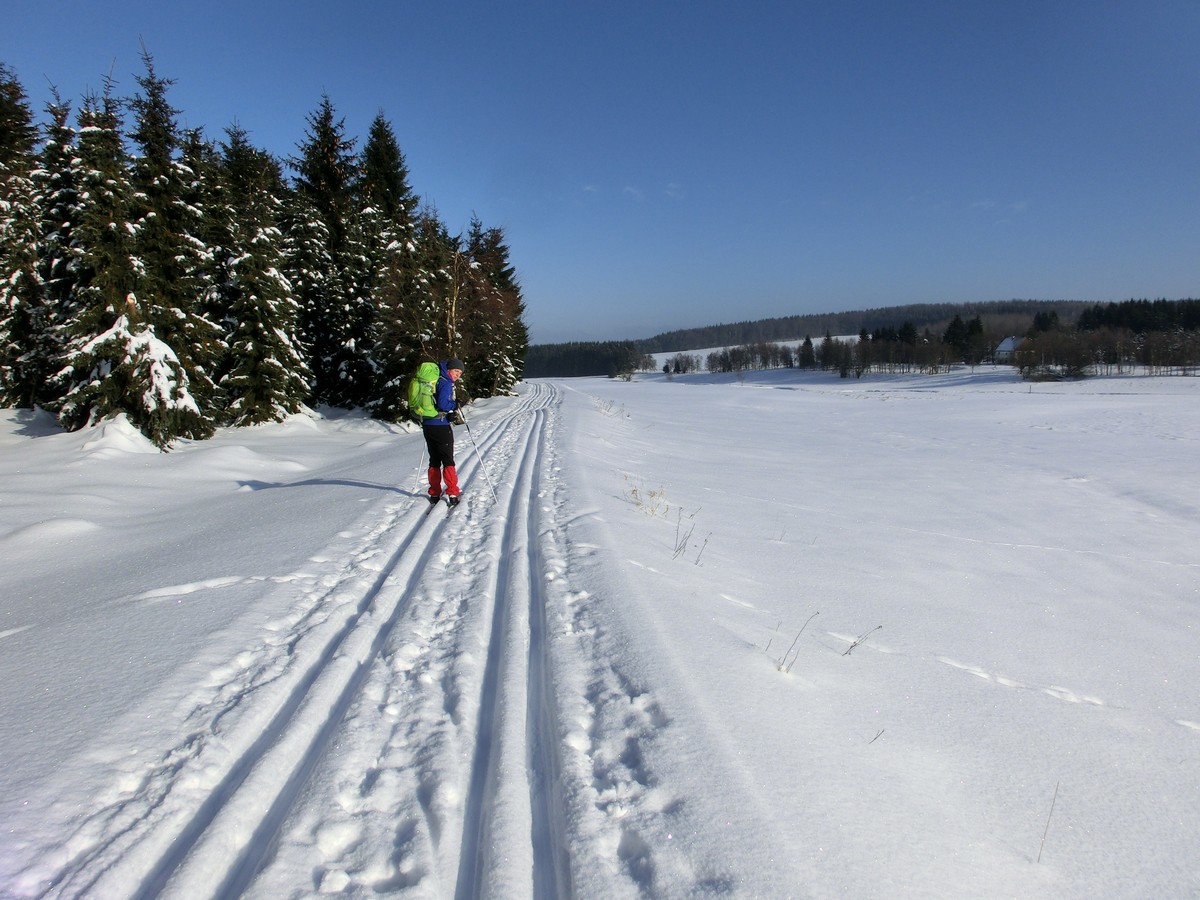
451 504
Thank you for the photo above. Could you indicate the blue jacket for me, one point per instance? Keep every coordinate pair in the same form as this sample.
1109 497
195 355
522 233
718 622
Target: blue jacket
443 397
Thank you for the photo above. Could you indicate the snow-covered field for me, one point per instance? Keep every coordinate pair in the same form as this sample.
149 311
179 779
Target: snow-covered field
927 636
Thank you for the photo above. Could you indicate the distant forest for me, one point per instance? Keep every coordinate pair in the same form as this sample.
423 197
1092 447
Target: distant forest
932 316
615 357
1053 339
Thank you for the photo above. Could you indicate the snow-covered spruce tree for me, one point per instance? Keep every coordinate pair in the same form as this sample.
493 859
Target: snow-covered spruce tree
411 298
24 318
58 202
388 208
169 257
308 264
491 311
202 197
264 377
114 362
383 185
337 319
100 259
438 280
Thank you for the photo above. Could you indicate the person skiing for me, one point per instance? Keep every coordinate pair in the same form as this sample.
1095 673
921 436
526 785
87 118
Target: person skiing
438 411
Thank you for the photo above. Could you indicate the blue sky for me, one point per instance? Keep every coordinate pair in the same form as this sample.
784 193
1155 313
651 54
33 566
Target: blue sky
661 165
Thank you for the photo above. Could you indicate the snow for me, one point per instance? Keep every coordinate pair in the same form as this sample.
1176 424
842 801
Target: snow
782 636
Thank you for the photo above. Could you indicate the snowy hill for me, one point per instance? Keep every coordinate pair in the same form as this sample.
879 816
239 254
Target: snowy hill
790 637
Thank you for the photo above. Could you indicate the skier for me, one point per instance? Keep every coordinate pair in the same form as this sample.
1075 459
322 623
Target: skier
439 411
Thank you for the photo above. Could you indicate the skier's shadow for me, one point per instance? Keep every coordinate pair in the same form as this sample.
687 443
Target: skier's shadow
268 485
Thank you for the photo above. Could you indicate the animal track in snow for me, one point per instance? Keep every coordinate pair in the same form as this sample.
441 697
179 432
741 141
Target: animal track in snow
981 673
1057 691
1071 696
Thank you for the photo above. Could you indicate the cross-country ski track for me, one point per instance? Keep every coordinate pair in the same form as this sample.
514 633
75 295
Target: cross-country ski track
380 657
408 724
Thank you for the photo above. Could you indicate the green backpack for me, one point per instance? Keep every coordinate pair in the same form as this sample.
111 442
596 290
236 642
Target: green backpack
421 390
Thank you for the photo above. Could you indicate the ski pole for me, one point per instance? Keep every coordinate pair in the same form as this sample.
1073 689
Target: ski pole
417 472
482 464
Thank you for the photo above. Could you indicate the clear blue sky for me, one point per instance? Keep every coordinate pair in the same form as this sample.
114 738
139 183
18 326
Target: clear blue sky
660 165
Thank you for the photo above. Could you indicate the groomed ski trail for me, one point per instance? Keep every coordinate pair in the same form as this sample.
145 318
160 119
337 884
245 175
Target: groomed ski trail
451 710
206 810
447 758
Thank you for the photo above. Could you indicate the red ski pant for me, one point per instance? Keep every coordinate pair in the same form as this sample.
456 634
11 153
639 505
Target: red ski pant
440 441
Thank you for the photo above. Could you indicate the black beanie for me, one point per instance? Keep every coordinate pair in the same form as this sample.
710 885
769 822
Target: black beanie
453 364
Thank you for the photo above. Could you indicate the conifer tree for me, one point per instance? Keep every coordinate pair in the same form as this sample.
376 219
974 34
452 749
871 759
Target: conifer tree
807 357
956 335
383 184
309 260
493 333
203 199
432 293
266 377
59 206
337 311
24 318
169 256
100 240
829 348
388 208
114 362
18 135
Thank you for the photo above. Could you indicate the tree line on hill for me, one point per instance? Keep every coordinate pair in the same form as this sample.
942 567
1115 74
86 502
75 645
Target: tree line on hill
1051 340
580 358
617 357
933 316
188 284
1161 337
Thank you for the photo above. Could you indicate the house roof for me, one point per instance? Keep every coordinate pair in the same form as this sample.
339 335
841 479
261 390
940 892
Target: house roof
1009 344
